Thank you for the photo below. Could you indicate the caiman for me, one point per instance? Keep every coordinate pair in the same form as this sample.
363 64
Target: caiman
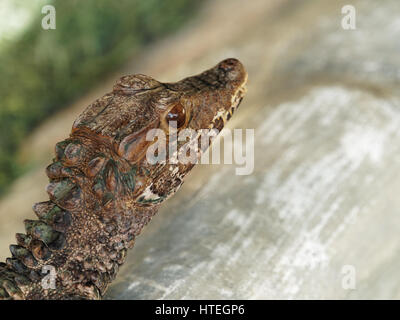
103 189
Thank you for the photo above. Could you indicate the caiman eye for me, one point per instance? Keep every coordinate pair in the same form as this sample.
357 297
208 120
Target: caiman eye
178 114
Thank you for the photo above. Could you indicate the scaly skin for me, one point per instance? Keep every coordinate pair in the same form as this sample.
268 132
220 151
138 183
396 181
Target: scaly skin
102 189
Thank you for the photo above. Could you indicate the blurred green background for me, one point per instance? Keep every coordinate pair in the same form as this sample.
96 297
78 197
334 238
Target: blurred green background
42 71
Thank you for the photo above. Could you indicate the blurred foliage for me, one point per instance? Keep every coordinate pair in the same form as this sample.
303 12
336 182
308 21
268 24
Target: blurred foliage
45 69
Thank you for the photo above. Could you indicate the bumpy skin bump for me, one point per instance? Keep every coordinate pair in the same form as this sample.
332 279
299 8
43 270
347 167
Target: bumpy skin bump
102 190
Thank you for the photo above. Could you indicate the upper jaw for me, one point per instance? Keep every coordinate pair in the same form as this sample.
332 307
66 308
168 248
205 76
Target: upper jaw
237 97
241 91
225 114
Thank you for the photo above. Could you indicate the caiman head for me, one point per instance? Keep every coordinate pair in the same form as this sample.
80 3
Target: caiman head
140 110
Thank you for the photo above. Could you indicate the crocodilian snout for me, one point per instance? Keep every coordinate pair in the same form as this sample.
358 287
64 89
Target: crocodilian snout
228 74
230 78
236 79
232 72
215 94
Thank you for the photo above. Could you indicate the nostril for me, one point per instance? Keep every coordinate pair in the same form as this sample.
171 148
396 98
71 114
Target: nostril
229 64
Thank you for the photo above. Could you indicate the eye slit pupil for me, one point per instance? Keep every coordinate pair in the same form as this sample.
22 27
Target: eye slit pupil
178 114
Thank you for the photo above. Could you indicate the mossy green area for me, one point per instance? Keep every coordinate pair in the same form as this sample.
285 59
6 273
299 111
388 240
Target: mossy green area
44 70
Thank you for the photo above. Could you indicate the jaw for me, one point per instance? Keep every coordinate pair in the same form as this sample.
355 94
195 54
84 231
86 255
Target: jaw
237 98
225 113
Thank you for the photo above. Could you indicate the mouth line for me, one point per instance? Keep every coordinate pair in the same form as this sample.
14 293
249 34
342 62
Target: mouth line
236 100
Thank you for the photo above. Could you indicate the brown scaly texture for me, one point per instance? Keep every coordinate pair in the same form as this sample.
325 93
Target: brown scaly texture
102 188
